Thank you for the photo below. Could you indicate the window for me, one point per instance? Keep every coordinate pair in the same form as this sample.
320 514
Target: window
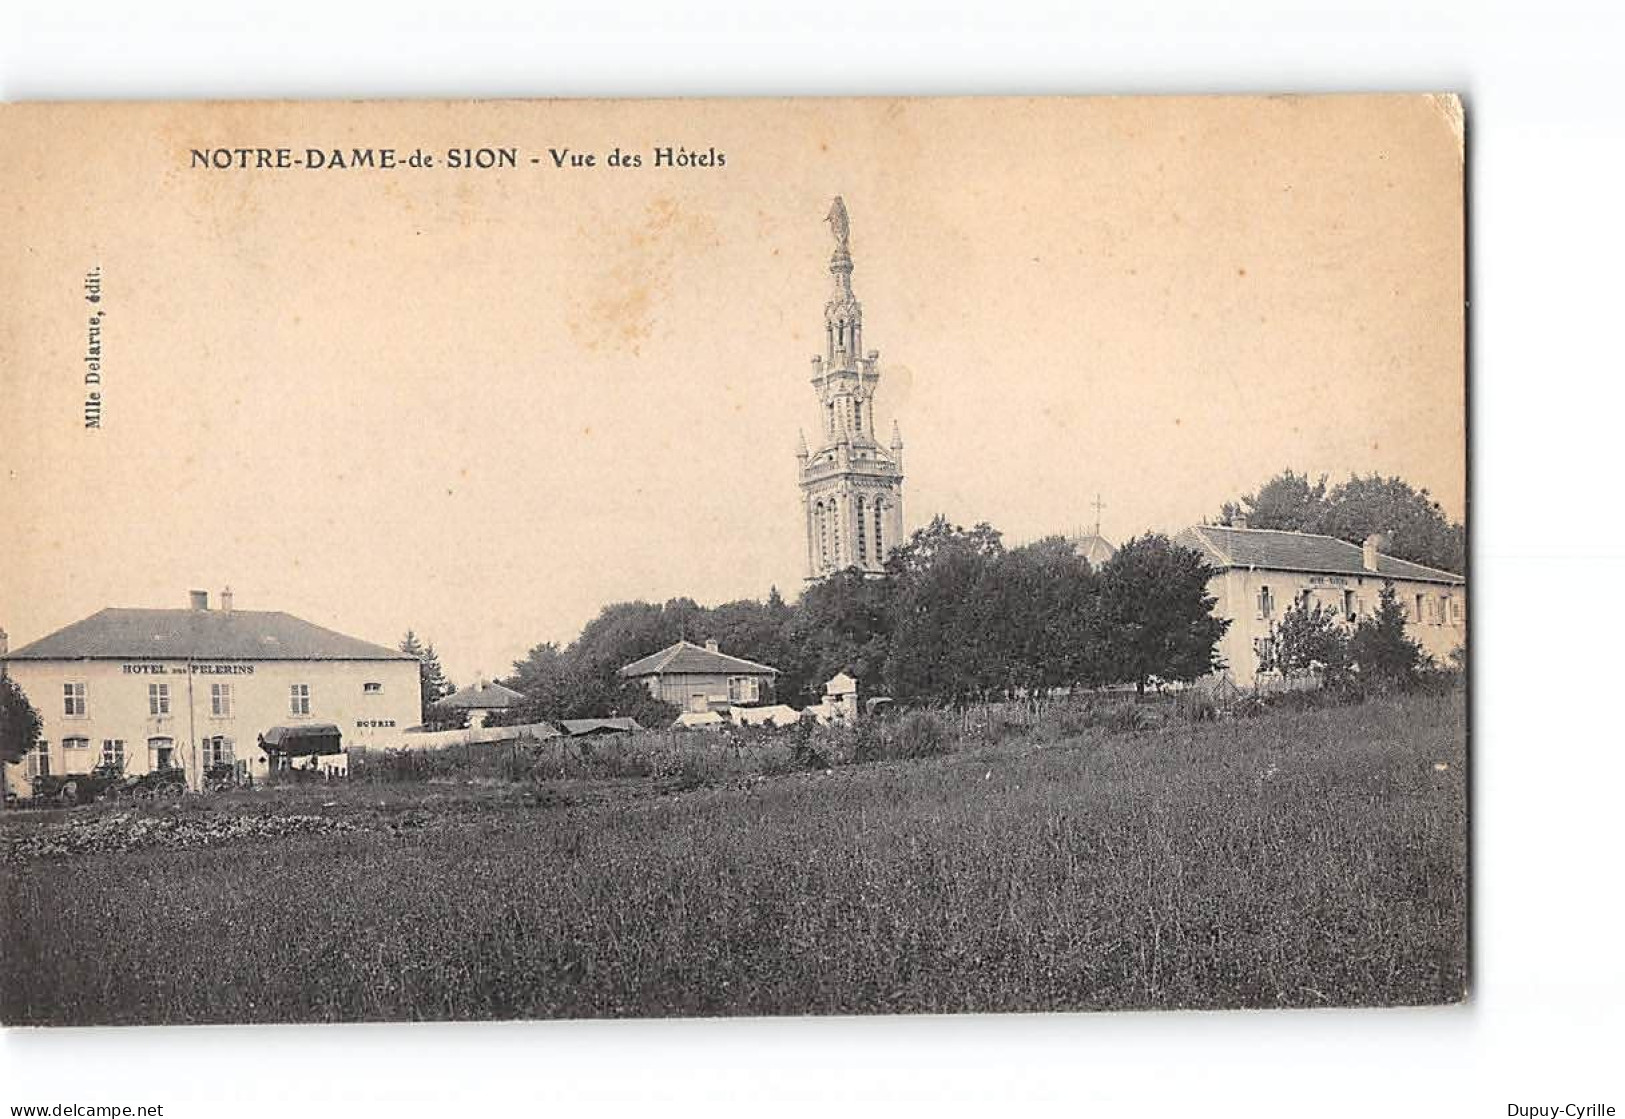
1417 617
39 759
880 552
1458 611
743 689
113 753
218 750
158 699
1264 650
1350 609
1266 603
372 688
863 544
76 743
299 699
220 700
73 700
1442 608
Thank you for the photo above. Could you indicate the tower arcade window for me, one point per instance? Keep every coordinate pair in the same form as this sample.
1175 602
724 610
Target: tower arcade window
863 547
880 551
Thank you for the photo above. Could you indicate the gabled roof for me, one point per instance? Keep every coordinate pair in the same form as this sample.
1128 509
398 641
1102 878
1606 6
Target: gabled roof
482 697
578 727
685 658
260 635
1276 550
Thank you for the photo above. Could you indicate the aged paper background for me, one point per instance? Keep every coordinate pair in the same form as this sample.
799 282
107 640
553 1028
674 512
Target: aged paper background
485 403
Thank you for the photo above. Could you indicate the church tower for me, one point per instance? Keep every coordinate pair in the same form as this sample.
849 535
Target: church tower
851 486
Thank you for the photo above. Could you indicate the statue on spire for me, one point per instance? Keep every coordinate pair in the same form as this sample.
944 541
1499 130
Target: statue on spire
838 223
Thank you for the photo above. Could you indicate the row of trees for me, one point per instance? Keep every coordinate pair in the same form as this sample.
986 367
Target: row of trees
956 616
1414 523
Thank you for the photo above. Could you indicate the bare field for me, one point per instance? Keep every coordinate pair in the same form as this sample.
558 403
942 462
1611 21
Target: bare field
1300 858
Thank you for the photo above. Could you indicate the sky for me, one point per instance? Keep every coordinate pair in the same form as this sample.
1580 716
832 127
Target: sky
482 404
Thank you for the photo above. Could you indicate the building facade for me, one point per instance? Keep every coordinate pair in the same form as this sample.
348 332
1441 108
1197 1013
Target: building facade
851 486
196 688
1261 573
698 678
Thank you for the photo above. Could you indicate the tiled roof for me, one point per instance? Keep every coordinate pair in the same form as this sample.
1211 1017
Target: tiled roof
1275 550
261 635
684 658
482 697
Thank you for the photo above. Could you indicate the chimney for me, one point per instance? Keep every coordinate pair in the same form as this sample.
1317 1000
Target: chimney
711 647
1368 550
200 600
225 599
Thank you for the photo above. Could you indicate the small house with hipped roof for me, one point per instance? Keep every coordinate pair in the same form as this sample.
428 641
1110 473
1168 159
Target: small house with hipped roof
479 700
702 677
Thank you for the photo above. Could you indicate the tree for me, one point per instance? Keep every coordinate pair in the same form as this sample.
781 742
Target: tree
1287 501
942 647
1308 636
1155 615
19 726
841 624
1415 525
433 685
1037 605
1386 657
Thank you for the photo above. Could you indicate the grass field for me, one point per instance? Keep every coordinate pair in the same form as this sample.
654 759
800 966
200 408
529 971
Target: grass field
1295 859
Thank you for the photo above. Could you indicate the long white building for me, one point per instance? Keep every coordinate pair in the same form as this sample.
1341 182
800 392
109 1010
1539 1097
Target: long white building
200 687
1260 573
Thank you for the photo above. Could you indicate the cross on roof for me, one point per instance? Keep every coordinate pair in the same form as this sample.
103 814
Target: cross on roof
1098 505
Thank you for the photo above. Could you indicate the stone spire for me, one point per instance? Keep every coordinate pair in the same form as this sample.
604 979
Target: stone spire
843 314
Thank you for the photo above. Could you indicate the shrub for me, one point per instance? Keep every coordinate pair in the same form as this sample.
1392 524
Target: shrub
1386 656
921 734
1126 718
1196 706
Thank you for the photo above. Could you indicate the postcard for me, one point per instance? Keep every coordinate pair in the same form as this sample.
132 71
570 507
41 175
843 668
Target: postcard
583 559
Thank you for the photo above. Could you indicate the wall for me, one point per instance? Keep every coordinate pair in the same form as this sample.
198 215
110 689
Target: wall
677 689
1237 592
116 706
